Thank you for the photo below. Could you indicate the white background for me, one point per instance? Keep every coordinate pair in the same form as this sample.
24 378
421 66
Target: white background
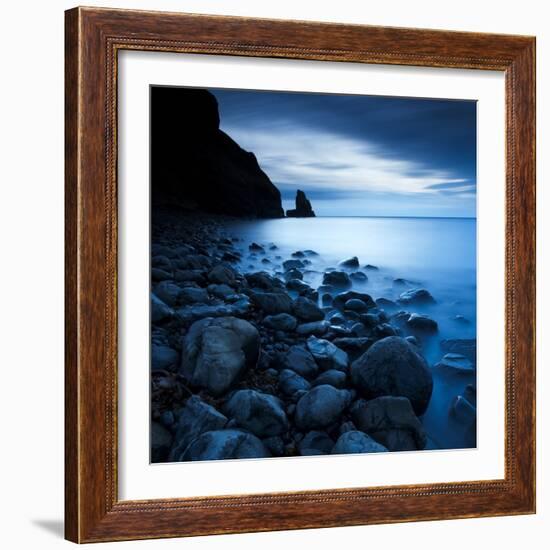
31 218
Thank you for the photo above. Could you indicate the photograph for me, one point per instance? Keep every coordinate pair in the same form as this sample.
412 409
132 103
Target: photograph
312 274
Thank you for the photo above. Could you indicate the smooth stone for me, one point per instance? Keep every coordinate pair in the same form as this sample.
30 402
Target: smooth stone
321 407
315 443
391 422
337 319
221 291
326 300
293 264
331 377
370 319
291 382
255 247
222 275
315 328
196 418
454 363
168 292
394 367
263 281
307 310
341 299
359 329
162 262
163 357
192 313
463 410
359 277
422 324
353 346
275 445
216 351
350 263
300 360
160 275
159 310
293 274
184 275
161 441
386 304
327 355
272 302
384 330
355 442
222 444
259 413
298 254
416 296
281 321
466 347
337 279
297 285
190 295
356 305
370 267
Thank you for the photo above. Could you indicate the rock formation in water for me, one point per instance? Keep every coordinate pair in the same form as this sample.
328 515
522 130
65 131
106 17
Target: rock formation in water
197 166
303 207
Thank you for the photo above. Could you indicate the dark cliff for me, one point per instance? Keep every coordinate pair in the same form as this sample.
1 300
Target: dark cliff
196 165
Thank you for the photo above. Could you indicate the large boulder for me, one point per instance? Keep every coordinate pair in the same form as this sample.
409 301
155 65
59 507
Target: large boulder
341 299
321 407
354 442
416 296
221 444
300 360
391 422
196 418
272 302
327 355
291 382
216 351
222 275
256 412
307 310
393 366
194 164
350 263
337 279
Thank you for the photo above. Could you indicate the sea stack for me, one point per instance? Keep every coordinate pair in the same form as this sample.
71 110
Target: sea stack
303 207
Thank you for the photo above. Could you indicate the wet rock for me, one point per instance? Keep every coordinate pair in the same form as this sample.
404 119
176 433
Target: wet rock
311 253
159 310
263 281
384 330
463 410
195 275
388 305
160 274
221 444
355 442
222 275
315 443
466 347
161 441
354 347
162 262
221 291
307 310
337 279
359 277
259 413
255 247
300 360
192 313
331 377
321 407
422 324
315 328
341 299
293 264
272 302
394 367
370 267
275 445
326 300
163 357
391 422
350 263
196 418
456 364
281 321
298 254
216 351
327 355
470 394
293 274
298 285
291 382
356 305
359 329
416 296
370 319
190 295
168 292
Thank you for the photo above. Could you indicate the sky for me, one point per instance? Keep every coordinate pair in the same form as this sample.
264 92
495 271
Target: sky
360 155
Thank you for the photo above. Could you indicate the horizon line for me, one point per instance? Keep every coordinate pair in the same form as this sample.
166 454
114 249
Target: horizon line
409 217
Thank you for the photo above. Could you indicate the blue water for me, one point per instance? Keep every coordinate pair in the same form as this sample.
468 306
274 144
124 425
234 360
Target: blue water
438 254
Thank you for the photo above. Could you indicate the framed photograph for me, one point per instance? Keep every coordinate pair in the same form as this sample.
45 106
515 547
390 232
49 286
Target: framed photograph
300 275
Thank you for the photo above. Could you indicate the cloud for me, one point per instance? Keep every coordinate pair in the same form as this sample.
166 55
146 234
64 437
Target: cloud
322 159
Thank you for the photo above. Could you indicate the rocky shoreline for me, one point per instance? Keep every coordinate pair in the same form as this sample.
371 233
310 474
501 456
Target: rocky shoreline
258 363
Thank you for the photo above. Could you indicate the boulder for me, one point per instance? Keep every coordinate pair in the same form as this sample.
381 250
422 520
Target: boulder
293 264
354 347
315 443
222 275
337 279
168 292
263 281
316 328
163 357
341 299
192 313
391 422
388 305
359 277
222 291
291 382
221 444
196 418
356 305
393 366
321 407
190 295
161 441
307 310
463 346
300 360
355 442
216 351
297 285
159 310
281 321
456 364
259 413
327 355
463 410
331 377
416 296
422 324
272 302
350 263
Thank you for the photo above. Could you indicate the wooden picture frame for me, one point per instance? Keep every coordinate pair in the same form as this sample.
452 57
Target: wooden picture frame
93 511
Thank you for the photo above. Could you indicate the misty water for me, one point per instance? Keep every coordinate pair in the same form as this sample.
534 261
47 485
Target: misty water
438 254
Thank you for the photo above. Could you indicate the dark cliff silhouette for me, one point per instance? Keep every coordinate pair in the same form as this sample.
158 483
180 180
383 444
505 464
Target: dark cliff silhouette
195 165
303 207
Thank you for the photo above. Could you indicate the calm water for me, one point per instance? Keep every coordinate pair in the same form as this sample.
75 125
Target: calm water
438 254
